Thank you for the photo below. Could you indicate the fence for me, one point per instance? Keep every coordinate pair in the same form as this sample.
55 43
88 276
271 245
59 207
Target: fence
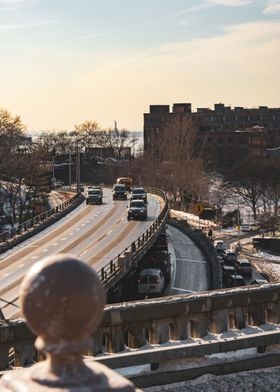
13 236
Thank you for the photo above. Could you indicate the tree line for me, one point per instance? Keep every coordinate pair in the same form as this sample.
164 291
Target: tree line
26 166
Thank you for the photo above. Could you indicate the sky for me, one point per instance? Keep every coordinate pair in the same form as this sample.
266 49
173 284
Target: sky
67 61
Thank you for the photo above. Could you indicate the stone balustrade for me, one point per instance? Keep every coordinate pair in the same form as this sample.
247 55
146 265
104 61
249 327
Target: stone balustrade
160 320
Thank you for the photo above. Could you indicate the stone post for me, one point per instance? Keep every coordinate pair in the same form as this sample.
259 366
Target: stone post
62 300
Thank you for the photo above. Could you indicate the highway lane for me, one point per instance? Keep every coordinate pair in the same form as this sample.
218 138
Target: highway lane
93 233
190 268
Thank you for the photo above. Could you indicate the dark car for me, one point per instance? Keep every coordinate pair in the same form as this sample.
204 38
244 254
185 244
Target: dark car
230 258
119 192
137 210
244 266
138 194
235 280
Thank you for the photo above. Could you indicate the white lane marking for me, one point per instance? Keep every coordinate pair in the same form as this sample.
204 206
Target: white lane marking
34 257
85 251
78 229
70 233
83 224
185 291
6 274
45 250
55 244
63 239
192 260
20 265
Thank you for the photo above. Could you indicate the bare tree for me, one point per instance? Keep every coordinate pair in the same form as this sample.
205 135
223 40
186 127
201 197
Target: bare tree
272 183
174 161
246 181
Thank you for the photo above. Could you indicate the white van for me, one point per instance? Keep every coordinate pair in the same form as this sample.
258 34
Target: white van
220 245
151 281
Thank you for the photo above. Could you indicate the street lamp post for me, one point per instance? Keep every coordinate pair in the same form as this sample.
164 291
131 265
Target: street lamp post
78 166
69 170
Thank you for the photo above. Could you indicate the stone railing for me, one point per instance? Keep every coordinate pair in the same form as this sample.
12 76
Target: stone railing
196 324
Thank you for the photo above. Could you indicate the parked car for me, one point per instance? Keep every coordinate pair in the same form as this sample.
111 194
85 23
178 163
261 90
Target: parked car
249 227
151 281
119 192
235 280
138 193
244 266
137 210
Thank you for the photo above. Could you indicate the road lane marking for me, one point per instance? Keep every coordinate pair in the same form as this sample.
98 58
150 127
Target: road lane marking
184 290
192 260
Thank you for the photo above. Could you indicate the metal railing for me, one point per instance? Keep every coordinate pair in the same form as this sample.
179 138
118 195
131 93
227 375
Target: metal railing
127 260
36 220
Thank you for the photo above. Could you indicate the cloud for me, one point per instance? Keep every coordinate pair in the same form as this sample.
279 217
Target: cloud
230 3
190 10
26 25
273 6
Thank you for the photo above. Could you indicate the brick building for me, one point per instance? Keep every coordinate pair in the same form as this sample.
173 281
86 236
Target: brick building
223 134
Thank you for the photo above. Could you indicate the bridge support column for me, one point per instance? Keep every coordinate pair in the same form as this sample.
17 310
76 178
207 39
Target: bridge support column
178 329
256 314
4 356
218 322
116 343
273 313
24 355
198 326
136 336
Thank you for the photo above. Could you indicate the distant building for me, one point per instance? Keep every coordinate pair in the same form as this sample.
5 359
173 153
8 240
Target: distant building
223 134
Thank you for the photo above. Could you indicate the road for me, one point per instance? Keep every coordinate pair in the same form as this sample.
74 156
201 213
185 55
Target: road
190 268
93 233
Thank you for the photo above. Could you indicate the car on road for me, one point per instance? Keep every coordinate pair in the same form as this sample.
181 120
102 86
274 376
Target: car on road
244 266
229 257
220 245
151 281
259 281
235 280
249 227
119 192
138 193
137 210
94 196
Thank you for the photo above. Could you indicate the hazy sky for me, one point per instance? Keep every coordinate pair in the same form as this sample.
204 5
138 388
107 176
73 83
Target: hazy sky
66 61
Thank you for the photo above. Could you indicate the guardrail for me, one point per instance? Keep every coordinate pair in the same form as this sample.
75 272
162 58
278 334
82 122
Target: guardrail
18 234
118 267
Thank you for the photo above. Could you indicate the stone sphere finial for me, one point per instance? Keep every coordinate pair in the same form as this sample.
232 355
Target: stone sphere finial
63 299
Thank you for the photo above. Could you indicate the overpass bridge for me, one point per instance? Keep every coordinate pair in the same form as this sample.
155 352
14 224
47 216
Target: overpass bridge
100 235
181 327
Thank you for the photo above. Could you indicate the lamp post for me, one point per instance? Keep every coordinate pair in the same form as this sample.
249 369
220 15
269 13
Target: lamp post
78 166
69 170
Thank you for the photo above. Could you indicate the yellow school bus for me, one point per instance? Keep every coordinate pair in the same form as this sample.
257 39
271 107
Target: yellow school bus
127 181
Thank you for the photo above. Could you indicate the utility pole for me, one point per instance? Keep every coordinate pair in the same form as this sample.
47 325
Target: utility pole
78 169
69 170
